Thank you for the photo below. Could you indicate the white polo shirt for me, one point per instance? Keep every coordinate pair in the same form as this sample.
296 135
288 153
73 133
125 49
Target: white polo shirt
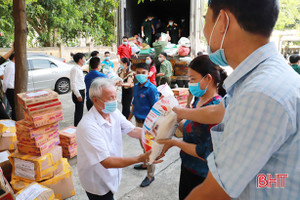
97 139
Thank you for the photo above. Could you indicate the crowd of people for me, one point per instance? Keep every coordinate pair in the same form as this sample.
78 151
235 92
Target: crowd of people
238 128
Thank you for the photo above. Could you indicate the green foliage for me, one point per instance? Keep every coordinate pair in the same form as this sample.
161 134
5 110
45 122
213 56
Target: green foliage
62 21
289 16
6 23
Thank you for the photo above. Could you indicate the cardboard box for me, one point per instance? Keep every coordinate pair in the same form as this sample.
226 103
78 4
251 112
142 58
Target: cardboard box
18 184
183 97
6 192
35 191
68 135
34 168
180 91
38 151
36 97
28 130
70 151
5 165
37 141
7 126
62 184
54 104
8 141
44 117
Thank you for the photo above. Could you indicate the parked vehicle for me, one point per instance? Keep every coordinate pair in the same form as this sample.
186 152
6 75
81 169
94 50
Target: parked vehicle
45 71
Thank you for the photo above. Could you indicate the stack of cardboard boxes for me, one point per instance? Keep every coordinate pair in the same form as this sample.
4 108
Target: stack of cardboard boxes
68 141
39 157
181 94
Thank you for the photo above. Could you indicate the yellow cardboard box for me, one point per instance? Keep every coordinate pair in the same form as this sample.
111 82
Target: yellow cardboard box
62 184
29 131
17 184
35 191
34 168
7 126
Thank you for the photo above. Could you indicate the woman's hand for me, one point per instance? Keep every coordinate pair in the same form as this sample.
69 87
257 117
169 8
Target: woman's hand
168 143
178 111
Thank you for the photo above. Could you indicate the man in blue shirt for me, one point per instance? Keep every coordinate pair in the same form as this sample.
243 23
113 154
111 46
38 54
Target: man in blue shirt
145 95
256 148
106 62
88 79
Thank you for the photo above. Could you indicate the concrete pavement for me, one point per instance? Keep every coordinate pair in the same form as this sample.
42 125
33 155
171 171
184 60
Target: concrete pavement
167 173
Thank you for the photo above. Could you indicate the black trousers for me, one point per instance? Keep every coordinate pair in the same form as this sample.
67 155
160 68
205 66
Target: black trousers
10 94
78 107
108 196
3 113
165 80
89 104
127 95
188 181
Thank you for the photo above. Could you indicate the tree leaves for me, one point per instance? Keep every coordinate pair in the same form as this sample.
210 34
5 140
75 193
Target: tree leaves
63 21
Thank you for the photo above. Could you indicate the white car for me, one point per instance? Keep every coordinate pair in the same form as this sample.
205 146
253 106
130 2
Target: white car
46 71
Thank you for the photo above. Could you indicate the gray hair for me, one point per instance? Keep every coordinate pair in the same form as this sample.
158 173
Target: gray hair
97 85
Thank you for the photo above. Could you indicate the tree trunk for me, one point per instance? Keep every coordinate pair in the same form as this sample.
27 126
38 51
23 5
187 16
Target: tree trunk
21 71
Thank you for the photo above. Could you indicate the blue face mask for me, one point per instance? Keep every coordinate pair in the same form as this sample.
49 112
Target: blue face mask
148 62
121 66
110 106
218 57
141 78
196 90
107 58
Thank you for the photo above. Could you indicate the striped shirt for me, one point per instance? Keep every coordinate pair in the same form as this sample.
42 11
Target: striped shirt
260 132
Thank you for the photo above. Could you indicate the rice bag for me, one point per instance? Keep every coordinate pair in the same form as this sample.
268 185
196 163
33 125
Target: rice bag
161 112
111 74
165 127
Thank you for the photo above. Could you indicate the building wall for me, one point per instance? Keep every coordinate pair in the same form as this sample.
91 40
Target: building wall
65 52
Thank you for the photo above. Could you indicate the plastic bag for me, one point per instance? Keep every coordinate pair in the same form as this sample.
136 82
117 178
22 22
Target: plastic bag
183 51
134 47
111 74
165 127
184 42
161 112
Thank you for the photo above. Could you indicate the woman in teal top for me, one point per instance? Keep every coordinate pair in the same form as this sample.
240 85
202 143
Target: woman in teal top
206 80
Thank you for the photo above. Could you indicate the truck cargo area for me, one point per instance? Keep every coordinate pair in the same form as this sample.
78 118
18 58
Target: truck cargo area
135 14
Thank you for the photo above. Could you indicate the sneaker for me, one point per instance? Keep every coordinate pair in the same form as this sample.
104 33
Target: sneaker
139 167
146 182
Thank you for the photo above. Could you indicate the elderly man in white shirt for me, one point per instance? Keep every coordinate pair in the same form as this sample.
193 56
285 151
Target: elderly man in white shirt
99 138
9 84
78 86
